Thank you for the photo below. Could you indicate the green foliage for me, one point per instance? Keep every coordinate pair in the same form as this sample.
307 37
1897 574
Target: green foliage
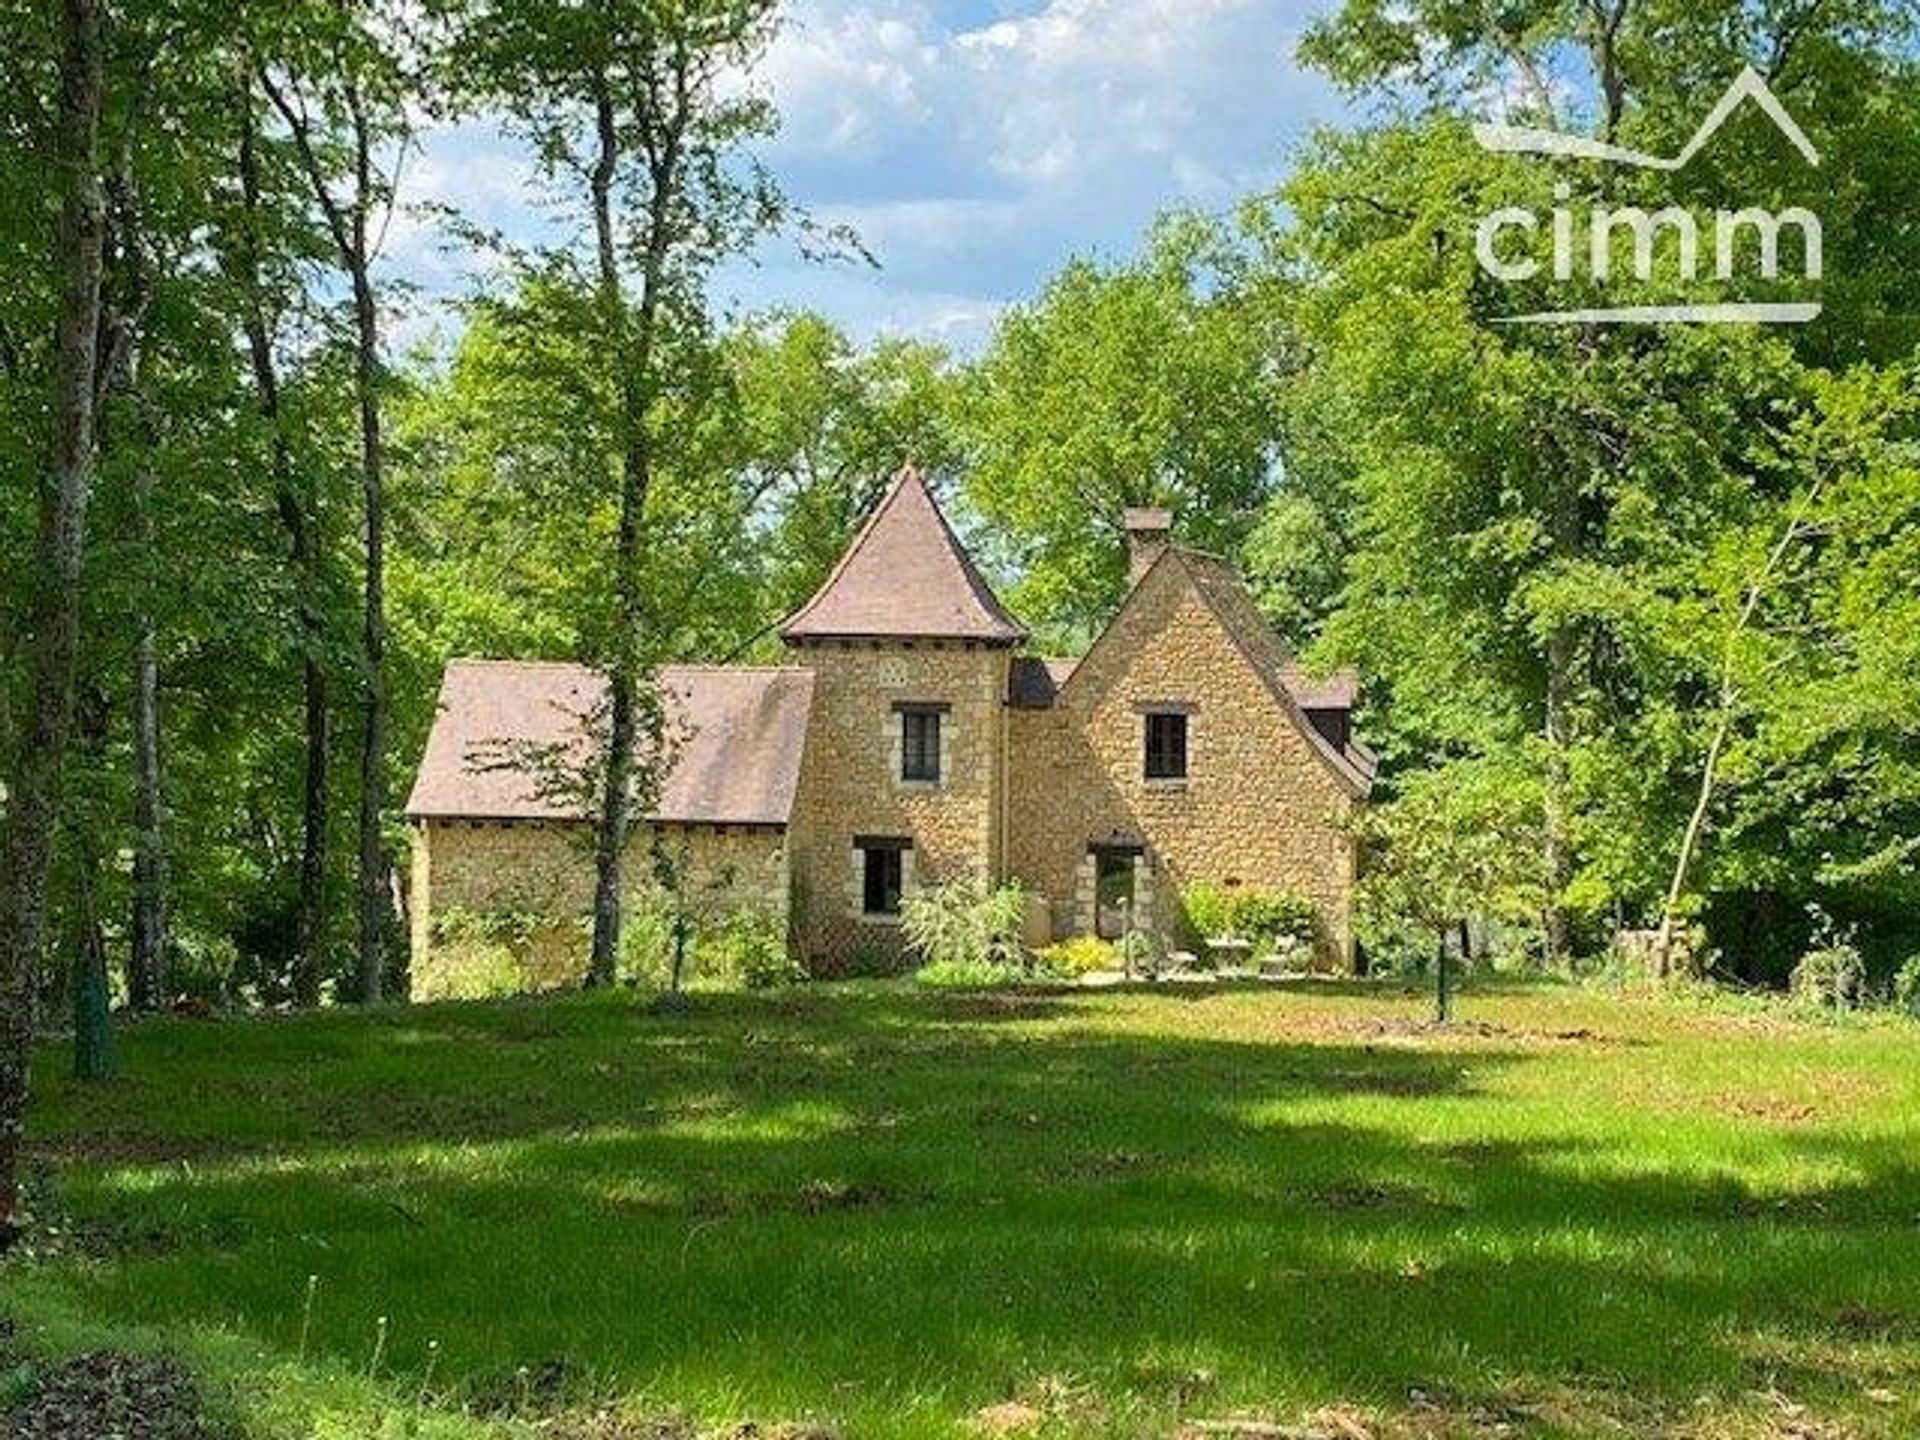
974 974
966 922
1210 910
1906 988
1272 921
1140 384
1456 842
1831 975
1079 955
751 948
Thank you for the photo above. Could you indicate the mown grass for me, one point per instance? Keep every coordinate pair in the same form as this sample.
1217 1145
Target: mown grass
1571 1215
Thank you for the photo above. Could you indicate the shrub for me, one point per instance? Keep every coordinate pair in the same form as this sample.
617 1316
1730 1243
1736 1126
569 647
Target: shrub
1275 919
1210 910
750 948
966 922
969 975
1832 976
1080 955
646 945
1906 988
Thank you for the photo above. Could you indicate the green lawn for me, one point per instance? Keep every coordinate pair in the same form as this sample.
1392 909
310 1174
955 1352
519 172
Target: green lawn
1572 1215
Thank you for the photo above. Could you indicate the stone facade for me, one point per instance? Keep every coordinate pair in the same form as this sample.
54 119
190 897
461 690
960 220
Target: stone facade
1258 808
850 785
543 868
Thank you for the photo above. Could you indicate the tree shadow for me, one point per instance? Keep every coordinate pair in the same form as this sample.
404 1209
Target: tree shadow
860 1199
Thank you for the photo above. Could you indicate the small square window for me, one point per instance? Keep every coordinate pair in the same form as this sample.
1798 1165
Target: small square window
920 745
1166 746
882 874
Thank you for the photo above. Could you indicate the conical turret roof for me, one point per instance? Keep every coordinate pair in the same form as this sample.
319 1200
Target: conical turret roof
906 576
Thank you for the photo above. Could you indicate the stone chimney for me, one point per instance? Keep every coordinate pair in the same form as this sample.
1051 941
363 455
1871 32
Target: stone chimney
1148 533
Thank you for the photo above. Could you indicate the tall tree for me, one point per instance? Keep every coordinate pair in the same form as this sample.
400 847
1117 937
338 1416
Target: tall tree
31 816
247 259
1145 384
1505 579
335 83
633 105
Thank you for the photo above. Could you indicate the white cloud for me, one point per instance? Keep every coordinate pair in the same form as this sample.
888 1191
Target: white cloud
975 144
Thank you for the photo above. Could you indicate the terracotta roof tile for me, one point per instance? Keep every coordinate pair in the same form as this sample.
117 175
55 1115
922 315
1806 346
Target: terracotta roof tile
907 576
740 734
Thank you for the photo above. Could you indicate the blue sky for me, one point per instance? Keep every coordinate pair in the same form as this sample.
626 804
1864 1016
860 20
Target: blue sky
974 145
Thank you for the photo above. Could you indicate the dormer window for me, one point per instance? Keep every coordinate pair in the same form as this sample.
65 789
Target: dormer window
1166 745
921 735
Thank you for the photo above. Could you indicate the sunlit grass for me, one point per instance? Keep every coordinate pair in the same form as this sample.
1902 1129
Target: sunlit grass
888 1210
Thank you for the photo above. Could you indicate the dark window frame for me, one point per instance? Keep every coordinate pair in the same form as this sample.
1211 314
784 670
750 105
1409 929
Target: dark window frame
920 752
883 874
1166 746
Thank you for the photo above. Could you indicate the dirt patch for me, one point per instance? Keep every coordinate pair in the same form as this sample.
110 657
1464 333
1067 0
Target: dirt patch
111 1149
1374 1195
995 1007
109 1393
1861 1322
813 1197
1094 1165
1776 1109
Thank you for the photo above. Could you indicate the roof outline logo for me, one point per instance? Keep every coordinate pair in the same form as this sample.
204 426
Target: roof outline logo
1748 85
1603 231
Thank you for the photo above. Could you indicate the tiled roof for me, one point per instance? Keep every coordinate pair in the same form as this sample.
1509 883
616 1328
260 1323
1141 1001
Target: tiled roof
738 734
905 576
1338 691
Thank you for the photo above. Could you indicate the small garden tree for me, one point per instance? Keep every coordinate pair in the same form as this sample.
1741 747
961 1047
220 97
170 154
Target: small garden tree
1456 843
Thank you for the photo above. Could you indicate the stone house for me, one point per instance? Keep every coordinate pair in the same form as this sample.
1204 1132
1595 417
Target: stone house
910 741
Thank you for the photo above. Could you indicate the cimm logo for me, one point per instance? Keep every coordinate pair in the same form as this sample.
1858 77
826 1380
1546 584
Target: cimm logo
1505 239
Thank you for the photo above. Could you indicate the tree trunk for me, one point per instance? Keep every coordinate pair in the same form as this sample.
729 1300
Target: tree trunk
633 348
27 827
93 1050
1727 705
347 223
1442 981
374 929
616 778
298 519
147 959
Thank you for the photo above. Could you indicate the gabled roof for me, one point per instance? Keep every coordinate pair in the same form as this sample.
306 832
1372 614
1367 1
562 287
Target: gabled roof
1224 593
905 576
738 734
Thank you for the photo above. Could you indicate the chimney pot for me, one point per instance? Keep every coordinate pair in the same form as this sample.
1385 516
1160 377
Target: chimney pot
1149 530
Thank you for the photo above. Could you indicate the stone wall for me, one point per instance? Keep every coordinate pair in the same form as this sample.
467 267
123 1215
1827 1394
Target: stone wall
527 869
1259 807
850 782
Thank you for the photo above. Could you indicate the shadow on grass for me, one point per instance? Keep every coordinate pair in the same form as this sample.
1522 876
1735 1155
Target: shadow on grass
844 1203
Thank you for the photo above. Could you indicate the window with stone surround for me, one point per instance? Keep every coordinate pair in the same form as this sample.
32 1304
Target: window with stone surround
1166 744
922 743
883 867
